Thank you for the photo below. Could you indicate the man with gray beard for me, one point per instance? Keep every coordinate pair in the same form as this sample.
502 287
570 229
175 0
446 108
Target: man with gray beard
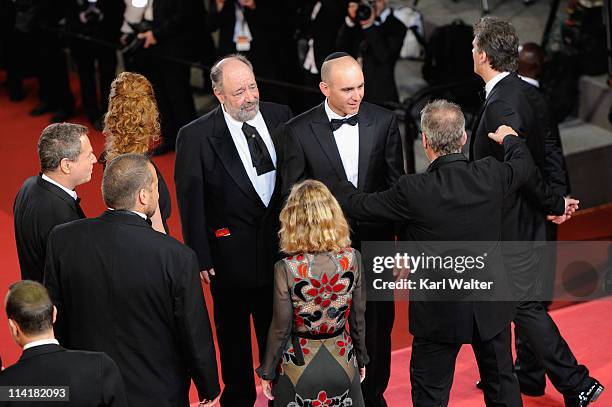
228 194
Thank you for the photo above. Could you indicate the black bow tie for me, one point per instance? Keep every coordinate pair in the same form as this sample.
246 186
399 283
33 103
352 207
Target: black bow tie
337 123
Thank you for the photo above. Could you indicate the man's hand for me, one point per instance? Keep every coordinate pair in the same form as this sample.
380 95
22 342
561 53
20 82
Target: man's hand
501 133
206 274
149 38
266 387
211 403
571 206
362 374
247 3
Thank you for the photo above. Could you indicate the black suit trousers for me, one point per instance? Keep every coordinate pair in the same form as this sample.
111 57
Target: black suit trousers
51 69
547 348
85 55
233 309
432 368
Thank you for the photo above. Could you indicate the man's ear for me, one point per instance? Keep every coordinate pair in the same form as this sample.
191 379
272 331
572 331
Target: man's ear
65 166
14 328
220 96
424 140
463 138
142 196
324 87
54 317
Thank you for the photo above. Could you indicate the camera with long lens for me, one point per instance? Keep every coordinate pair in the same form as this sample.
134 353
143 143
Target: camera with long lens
364 10
134 44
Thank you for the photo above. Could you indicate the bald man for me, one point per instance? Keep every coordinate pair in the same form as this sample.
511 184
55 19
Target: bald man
228 192
345 138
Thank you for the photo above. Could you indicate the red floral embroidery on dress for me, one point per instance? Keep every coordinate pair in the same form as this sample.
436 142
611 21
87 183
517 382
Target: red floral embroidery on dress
321 304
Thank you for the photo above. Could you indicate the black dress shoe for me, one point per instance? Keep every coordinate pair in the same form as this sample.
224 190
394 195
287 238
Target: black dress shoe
61 116
41 109
479 385
588 395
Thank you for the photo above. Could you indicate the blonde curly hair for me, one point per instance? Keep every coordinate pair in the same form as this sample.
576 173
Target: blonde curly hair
312 221
131 124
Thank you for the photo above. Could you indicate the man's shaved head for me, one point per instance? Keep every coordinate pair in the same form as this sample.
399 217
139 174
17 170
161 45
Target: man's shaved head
342 84
340 63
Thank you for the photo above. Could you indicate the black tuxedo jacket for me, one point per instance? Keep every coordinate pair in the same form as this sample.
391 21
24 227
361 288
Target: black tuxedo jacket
515 103
269 24
215 195
323 29
92 377
179 28
124 289
455 200
379 46
311 152
38 207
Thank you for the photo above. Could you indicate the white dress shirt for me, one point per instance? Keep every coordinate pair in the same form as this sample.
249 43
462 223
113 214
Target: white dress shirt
40 343
494 81
531 81
73 194
347 141
264 183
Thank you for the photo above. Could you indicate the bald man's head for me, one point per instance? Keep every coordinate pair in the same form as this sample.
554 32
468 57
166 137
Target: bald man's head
342 84
531 59
339 64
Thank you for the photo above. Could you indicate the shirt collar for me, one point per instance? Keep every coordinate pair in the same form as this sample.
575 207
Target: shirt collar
73 194
41 342
230 120
384 15
494 81
530 81
142 215
333 115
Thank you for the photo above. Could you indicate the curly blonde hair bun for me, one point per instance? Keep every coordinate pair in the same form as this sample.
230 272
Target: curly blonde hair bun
131 124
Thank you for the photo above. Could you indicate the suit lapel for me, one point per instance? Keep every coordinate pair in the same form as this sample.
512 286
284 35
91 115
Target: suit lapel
324 135
275 135
366 122
226 150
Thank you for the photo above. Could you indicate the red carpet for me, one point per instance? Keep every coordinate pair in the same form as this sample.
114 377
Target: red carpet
585 326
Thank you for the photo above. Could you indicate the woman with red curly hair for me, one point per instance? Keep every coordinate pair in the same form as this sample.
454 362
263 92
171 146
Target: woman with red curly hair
131 125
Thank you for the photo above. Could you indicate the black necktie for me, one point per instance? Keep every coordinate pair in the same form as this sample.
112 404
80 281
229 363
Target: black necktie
78 208
337 123
260 157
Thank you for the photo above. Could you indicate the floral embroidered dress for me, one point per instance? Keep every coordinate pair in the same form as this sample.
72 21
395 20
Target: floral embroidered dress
310 357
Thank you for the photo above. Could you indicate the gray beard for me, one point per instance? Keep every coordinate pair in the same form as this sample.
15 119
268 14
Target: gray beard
244 115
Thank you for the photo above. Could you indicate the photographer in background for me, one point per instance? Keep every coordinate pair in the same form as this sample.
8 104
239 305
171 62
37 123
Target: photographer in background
374 36
161 39
100 20
37 30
